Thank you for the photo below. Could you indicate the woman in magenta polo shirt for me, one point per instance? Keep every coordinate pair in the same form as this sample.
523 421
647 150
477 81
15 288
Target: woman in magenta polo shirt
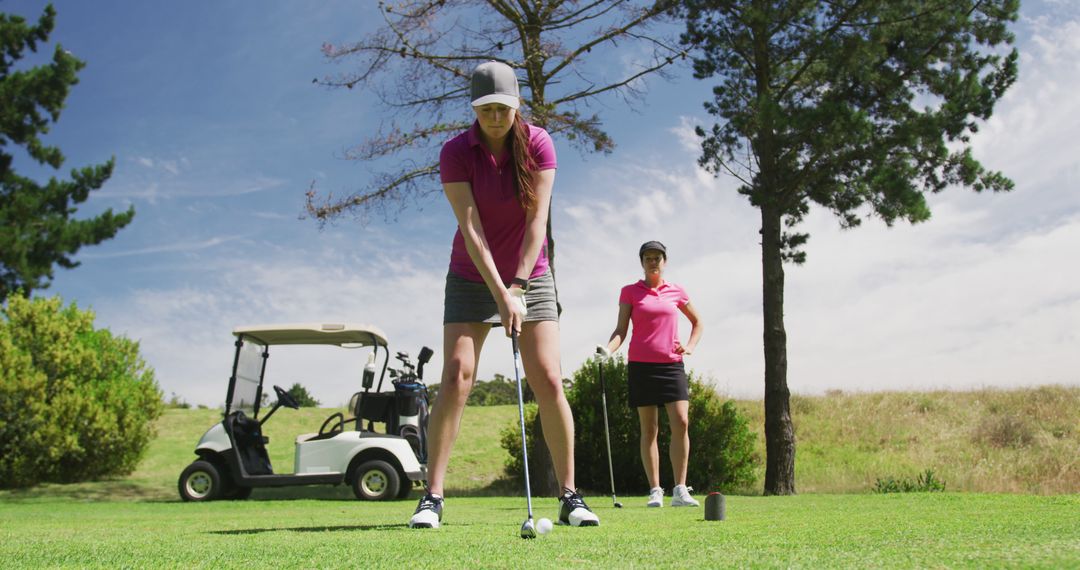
498 177
656 376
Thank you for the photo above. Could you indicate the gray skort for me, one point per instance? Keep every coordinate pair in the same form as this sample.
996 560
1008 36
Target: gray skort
471 302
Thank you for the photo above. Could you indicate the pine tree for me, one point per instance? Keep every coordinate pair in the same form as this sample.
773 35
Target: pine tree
861 107
37 230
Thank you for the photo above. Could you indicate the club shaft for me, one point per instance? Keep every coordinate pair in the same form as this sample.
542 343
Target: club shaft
607 430
521 416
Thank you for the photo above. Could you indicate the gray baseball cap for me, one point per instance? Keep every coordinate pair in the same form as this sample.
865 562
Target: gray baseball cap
652 245
495 82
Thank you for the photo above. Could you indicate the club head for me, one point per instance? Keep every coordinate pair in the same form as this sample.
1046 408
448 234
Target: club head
528 529
618 505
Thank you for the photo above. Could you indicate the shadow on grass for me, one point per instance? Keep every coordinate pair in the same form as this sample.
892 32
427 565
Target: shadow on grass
311 529
497 488
98 491
154 492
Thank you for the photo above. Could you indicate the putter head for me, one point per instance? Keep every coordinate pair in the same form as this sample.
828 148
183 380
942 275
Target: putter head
618 505
528 529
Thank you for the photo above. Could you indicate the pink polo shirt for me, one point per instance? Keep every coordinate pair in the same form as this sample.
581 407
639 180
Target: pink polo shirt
654 314
465 159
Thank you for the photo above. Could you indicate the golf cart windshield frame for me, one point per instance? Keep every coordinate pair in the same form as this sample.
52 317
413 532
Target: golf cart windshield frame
350 336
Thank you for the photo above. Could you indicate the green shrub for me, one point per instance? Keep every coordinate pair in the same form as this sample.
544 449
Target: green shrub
75 403
1004 430
499 391
510 440
722 456
925 482
175 402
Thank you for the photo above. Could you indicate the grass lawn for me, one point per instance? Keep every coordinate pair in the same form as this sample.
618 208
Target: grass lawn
1024 442
808 531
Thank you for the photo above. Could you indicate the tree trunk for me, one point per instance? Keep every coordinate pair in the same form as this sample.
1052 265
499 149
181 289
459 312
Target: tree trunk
779 433
541 470
542 477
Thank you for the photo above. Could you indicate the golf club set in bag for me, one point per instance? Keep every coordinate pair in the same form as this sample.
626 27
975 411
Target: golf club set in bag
529 528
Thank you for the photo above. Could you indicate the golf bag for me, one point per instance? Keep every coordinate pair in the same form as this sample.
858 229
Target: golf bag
404 412
411 401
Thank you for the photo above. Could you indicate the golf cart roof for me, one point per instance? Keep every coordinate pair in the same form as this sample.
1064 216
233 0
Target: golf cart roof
314 333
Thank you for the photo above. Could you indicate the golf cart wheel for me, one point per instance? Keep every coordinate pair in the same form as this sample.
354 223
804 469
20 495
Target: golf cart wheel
376 480
200 481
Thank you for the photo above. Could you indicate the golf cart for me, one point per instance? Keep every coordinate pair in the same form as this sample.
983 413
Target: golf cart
379 466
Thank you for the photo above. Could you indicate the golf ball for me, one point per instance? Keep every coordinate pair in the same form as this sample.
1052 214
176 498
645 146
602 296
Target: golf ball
543 526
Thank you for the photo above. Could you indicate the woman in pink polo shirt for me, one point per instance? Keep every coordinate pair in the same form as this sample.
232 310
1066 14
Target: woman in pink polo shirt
656 376
498 177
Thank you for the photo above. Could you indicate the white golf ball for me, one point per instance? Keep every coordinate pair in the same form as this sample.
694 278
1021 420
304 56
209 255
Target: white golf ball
543 526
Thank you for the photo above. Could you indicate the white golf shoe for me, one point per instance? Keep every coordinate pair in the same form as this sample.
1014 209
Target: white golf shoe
574 511
656 497
680 497
428 513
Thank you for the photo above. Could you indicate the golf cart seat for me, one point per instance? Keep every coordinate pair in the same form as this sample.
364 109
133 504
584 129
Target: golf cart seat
249 443
373 407
329 429
383 407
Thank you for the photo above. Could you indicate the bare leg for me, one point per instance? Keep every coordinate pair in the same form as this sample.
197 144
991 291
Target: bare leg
461 345
680 438
650 456
539 342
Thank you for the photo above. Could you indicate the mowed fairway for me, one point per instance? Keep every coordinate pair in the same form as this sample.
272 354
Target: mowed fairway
808 531
139 521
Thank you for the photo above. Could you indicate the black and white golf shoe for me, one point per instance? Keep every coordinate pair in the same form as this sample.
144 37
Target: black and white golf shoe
428 513
574 511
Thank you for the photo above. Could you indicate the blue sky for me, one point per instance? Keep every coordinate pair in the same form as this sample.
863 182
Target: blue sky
217 131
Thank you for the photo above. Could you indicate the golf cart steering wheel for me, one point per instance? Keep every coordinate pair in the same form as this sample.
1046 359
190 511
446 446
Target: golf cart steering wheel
337 426
286 399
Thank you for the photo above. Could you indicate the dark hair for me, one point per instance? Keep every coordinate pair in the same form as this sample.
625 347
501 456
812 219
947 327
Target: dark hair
523 163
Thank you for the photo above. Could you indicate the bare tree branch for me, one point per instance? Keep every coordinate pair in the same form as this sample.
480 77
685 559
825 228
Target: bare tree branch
418 64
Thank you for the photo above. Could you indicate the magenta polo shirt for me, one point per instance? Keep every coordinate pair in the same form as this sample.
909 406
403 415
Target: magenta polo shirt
654 314
465 159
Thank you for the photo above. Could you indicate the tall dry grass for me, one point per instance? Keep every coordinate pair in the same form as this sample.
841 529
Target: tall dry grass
1017 441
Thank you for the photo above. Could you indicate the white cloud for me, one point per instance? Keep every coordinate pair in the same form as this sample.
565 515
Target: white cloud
164 248
984 294
981 295
962 301
259 184
150 192
1031 136
689 141
925 308
272 215
171 166
185 332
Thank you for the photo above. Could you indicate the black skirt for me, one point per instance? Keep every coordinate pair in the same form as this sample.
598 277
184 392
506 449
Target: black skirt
656 383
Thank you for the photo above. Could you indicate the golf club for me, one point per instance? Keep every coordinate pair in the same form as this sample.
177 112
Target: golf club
528 529
607 430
